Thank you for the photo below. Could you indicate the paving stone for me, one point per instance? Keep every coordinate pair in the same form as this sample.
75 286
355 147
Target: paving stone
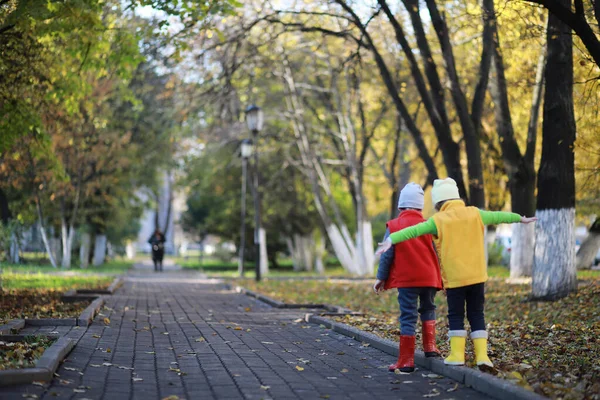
204 356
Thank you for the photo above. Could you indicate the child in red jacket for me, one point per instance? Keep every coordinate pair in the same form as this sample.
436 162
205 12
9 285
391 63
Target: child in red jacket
413 268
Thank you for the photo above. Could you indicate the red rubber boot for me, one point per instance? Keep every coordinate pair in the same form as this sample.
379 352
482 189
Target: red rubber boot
429 346
406 358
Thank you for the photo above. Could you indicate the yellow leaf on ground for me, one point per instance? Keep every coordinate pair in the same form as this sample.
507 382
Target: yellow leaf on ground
516 375
106 321
237 328
299 368
200 339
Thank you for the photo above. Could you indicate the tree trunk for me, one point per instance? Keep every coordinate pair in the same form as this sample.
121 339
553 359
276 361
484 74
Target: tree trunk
99 250
5 214
470 134
43 233
519 168
302 250
66 246
84 249
264 261
319 254
14 248
554 272
522 248
589 248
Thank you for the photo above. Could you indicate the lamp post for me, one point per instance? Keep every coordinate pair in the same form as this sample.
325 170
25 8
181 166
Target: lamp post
254 119
245 152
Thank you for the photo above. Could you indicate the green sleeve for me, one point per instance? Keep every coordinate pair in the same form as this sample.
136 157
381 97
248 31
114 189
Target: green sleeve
498 217
424 228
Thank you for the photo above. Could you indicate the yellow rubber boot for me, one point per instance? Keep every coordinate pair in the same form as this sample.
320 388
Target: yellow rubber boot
458 340
480 344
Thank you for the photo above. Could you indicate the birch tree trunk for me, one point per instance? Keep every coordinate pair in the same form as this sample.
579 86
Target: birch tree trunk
66 244
43 233
522 250
99 250
319 254
14 249
554 272
264 261
589 248
336 229
84 249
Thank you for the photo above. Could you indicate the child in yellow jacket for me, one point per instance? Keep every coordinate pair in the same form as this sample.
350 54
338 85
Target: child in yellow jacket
458 233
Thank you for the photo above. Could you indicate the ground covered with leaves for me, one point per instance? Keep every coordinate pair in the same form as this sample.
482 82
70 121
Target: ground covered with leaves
23 354
551 348
36 304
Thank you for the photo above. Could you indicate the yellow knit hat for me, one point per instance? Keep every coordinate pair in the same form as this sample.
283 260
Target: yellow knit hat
444 189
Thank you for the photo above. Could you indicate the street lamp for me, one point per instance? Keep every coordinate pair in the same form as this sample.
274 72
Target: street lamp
254 119
245 152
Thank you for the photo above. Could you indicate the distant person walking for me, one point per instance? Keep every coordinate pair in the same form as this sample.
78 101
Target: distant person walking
157 241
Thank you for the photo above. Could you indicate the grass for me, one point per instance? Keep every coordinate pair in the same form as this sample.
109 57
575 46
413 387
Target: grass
216 268
549 347
115 267
32 280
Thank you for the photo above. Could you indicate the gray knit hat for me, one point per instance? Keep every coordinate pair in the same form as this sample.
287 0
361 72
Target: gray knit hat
411 196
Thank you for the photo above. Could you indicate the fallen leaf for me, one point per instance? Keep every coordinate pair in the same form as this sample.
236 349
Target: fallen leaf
343 371
106 321
96 336
452 389
265 387
172 397
398 372
247 309
340 353
433 393
299 368
200 339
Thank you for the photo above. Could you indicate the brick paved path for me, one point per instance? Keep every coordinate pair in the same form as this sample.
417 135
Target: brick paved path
181 337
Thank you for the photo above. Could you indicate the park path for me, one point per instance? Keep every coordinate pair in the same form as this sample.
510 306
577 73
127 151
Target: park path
178 334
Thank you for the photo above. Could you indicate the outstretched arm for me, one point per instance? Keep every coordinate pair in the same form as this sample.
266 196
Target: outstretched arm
501 217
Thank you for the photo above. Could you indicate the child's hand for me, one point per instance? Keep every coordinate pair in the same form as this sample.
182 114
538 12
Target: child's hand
528 220
383 247
378 286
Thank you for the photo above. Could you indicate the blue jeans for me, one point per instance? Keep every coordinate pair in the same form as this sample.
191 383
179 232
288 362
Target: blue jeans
407 298
474 297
